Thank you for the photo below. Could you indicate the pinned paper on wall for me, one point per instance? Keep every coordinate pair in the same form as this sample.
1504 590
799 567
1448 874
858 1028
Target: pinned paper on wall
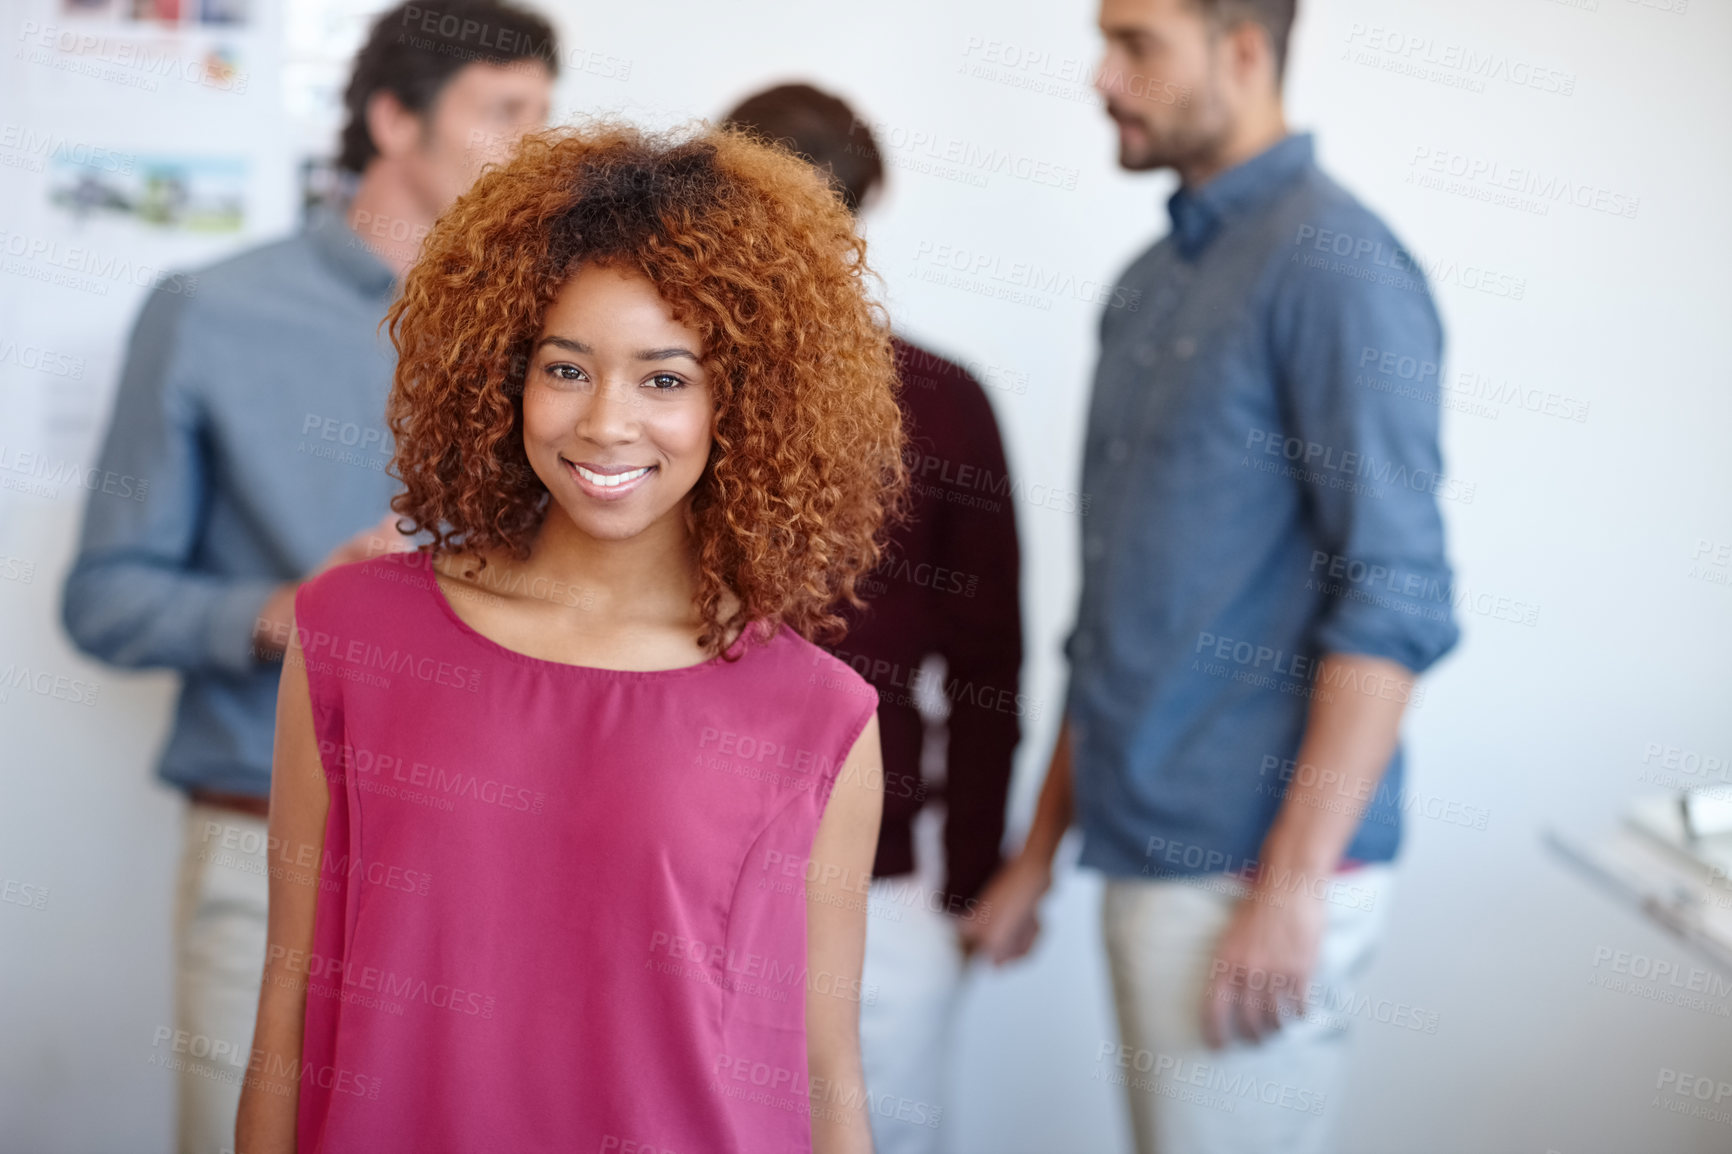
232 13
183 193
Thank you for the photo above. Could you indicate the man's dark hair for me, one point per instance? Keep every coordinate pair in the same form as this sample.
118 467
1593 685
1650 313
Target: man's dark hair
413 51
821 129
1275 16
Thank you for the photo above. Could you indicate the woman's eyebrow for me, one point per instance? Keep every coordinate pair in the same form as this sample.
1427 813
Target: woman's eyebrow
666 354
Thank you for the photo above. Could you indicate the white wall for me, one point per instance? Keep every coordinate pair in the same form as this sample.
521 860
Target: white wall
1595 522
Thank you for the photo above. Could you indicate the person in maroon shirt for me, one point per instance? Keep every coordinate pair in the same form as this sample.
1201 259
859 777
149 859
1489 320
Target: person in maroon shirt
948 589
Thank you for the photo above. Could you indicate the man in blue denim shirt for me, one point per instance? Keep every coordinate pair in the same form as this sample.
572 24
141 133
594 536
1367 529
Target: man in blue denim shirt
1263 577
254 408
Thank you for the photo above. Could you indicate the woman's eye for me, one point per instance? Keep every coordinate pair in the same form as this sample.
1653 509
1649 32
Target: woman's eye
565 372
665 381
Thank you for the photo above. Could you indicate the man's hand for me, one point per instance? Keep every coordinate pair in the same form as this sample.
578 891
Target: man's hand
271 626
1264 960
1263 964
370 542
1006 920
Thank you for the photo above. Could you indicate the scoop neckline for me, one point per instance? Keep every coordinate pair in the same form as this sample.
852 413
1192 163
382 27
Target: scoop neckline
487 642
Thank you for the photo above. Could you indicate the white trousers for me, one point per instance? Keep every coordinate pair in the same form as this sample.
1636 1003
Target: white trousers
910 985
219 943
1249 1098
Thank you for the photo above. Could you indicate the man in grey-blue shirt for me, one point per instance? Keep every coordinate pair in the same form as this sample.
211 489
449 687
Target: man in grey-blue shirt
1264 576
252 404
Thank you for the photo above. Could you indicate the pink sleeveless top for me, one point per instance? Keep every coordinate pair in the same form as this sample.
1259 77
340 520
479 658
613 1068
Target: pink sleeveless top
560 908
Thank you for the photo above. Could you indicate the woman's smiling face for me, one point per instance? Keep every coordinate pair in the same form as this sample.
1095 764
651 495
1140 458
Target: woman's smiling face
618 414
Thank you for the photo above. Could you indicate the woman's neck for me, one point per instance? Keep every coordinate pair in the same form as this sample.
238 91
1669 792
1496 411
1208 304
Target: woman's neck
643 586
655 568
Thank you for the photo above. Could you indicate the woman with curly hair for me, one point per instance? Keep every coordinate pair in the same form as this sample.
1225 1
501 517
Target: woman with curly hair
572 819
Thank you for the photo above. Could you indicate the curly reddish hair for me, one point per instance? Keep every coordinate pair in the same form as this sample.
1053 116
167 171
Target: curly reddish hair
751 248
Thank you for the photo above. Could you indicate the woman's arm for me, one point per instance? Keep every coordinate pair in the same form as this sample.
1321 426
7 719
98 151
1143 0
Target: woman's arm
299 799
842 854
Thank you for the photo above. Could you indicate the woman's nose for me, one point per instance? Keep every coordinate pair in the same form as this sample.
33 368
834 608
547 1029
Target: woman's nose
610 413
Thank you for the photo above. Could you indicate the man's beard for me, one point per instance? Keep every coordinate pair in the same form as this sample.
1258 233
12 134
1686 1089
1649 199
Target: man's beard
1196 135
1178 146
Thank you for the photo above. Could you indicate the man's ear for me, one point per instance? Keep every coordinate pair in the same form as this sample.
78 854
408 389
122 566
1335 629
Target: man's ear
394 128
1253 53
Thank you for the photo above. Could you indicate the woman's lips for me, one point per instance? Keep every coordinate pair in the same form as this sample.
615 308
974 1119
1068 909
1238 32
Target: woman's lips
607 486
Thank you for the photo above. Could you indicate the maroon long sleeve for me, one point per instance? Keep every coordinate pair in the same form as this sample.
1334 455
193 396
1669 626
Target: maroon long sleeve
949 585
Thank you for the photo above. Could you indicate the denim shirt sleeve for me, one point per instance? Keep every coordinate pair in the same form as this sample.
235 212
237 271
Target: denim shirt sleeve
1345 331
132 597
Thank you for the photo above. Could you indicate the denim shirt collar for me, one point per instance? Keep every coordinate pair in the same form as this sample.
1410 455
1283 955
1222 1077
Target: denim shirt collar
1197 214
328 229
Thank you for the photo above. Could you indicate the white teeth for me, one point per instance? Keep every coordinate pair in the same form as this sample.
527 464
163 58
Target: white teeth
609 481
